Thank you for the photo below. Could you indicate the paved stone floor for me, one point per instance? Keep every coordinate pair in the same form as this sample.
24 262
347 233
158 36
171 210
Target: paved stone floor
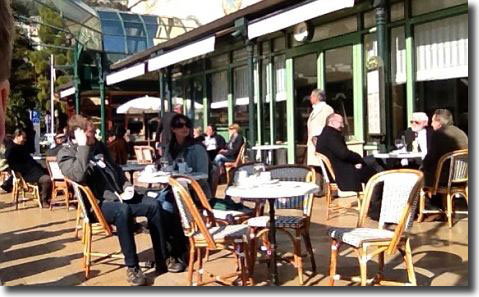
37 247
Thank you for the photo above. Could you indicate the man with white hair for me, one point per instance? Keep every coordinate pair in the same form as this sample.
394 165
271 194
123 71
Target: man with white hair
418 136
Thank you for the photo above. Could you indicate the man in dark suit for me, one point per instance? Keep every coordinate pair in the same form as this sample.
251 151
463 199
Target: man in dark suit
350 168
418 136
20 160
163 134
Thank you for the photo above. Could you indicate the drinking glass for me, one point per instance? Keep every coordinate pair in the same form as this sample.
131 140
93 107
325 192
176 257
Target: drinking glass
399 143
258 168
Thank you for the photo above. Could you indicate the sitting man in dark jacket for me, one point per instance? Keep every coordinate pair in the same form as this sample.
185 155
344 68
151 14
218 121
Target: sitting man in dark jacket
350 168
87 161
445 138
20 160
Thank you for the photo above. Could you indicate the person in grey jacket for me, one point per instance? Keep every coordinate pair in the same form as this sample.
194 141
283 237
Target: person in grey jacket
87 161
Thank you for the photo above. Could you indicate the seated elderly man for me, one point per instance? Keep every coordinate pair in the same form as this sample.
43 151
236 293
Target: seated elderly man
445 138
418 136
350 168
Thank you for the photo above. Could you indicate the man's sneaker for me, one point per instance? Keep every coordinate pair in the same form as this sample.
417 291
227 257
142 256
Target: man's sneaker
175 265
135 276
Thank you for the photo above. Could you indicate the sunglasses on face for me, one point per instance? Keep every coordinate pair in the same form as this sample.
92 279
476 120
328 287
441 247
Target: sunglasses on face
181 125
415 122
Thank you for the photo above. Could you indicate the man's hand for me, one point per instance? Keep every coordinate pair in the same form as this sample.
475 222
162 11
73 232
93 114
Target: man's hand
128 193
358 166
222 151
80 136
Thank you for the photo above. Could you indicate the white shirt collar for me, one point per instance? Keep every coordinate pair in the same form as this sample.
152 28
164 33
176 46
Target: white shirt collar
318 106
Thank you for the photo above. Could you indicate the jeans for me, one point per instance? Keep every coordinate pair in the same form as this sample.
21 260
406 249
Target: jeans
221 159
121 215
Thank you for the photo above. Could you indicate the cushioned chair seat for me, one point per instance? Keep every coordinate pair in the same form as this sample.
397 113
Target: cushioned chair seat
356 236
281 221
238 233
223 214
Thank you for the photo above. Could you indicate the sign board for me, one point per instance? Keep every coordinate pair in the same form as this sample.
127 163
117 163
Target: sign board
376 112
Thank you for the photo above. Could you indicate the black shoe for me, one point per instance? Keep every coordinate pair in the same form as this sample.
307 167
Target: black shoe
135 276
175 265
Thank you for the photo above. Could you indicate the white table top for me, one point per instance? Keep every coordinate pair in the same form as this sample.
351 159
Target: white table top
401 155
268 147
281 189
162 177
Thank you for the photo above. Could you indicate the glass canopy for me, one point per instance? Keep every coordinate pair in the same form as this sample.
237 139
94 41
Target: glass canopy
117 33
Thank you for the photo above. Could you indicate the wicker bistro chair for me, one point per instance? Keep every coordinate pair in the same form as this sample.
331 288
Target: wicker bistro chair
239 160
144 154
331 187
205 235
21 189
59 185
400 195
457 182
297 223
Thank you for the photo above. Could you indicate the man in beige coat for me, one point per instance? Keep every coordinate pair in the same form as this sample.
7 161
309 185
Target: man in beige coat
316 123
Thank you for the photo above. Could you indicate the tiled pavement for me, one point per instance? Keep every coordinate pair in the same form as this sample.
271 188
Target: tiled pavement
37 247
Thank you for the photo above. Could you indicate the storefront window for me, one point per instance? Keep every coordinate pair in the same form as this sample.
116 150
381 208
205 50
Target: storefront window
266 92
339 84
398 81
241 98
305 80
218 95
425 6
340 27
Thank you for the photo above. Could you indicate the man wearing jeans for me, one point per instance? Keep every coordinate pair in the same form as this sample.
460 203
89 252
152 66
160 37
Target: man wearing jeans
87 161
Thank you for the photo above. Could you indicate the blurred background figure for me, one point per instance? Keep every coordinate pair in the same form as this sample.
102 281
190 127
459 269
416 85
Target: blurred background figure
213 141
118 146
59 140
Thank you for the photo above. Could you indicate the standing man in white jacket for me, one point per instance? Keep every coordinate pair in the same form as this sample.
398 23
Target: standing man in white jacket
316 123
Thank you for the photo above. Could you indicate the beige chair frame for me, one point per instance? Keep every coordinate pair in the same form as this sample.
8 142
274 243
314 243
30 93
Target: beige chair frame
21 188
58 185
399 241
230 165
140 154
200 248
454 188
331 187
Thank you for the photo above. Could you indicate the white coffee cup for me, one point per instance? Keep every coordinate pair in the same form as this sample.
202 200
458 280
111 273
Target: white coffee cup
182 167
265 176
242 176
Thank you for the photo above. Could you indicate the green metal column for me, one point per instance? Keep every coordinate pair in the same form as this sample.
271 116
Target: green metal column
290 110
76 78
101 83
410 63
258 94
229 76
169 89
161 82
271 86
206 109
358 83
251 107
320 71
383 52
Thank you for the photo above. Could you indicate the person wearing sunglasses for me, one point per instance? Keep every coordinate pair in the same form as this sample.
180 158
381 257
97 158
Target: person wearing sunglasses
417 137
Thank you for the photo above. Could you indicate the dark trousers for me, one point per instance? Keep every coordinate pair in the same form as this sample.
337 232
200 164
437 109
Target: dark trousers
121 215
45 187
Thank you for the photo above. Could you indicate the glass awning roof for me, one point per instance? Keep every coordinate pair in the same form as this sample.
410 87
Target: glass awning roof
115 32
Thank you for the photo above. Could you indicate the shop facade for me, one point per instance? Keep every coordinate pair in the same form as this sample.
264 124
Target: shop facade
378 62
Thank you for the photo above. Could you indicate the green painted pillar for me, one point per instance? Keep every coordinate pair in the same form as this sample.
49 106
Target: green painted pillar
101 84
76 78
382 7
251 107
271 86
290 111
410 72
358 94
161 85
169 89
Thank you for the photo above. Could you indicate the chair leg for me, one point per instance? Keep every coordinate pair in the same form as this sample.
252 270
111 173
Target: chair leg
363 265
379 275
328 201
88 252
191 265
298 260
449 209
309 247
67 197
199 273
253 250
333 260
422 205
36 195
77 225
242 251
409 264
54 197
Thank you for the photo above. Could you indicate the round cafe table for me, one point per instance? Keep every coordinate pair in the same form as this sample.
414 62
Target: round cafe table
161 177
272 192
